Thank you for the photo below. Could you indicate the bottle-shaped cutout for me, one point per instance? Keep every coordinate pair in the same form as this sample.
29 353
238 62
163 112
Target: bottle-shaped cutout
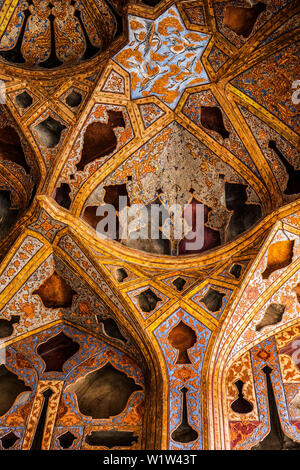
184 432
182 337
276 439
241 405
37 442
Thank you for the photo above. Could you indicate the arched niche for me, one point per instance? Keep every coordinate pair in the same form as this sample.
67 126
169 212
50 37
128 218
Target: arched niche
19 173
122 395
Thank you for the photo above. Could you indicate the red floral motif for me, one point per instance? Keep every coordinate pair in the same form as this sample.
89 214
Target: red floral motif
184 374
239 431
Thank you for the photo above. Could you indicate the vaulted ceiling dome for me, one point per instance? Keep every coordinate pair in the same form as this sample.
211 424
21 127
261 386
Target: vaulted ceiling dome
51 34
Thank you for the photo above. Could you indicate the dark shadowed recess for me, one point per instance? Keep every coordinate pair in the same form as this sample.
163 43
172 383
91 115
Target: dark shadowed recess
100 139
74 99
6 326
11 387
151 3
241 20
148 300
293 184
49 132
111 328
213 300
66 440
121 274
179 283
11 148
241 405
276 439
9 440
62 196
24 100
104 392
212 119
184 432
236 270
55 292
244 215
111 438
8 216
56 351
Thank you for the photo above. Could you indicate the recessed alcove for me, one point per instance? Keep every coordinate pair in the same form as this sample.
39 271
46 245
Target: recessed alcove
104 392
49 132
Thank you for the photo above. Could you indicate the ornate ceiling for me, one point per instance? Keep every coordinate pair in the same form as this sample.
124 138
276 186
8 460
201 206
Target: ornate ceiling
161 102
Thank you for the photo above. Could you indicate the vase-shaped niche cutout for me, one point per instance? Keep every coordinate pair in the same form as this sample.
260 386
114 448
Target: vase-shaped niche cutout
241 405
182 337
56 351
276 439
40 427
104 392
184 432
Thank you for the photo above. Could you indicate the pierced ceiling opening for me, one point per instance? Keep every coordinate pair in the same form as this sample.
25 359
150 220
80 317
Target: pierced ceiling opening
108 105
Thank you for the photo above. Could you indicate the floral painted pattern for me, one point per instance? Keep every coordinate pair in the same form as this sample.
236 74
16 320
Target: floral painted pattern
163 57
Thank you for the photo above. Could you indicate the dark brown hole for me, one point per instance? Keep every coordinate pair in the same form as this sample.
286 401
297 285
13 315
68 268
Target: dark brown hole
6 326
24 100
11 148
293 184
111 328
148 300
55 292
121 274
241 405
236 270
8 216
212 119
9 440
56 351
213 300
10 388
104 392
49 132
62 196
100 139
242 20
179 283
182 338
74 99
111 438
66 440
114 192
244 215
